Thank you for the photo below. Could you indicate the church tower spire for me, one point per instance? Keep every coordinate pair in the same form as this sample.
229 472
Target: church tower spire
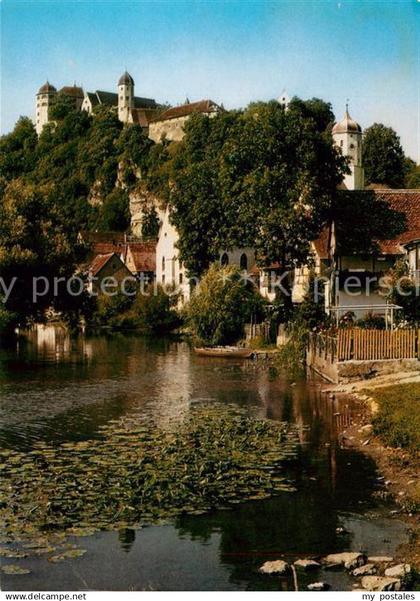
347 135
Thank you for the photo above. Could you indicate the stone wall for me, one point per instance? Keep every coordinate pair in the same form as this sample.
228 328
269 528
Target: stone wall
171 129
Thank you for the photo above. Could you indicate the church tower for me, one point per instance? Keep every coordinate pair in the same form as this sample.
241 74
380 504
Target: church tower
284 99
347 135
125 97
44 98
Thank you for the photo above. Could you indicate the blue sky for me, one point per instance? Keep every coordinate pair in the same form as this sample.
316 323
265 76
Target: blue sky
231 51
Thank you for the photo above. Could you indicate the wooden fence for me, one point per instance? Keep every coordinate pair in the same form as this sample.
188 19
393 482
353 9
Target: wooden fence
374 345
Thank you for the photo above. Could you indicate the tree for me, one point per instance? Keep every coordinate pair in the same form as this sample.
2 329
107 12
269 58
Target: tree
264 177
412 179
133 147
221 305
35 248
115 213
150 224
316 109
383 156
361 218
61 107
17 150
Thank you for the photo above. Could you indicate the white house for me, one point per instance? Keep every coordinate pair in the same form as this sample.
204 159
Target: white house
170 273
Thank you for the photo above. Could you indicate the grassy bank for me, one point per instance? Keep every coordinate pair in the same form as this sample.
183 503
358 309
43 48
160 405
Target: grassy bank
397 420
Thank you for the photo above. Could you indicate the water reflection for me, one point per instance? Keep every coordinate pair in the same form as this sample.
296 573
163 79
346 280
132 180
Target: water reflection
54 389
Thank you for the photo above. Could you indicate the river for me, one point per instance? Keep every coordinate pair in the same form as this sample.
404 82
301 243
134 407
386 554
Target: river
55 389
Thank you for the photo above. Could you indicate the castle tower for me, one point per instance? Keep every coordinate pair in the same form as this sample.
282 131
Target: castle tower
347 135
44 98
125 97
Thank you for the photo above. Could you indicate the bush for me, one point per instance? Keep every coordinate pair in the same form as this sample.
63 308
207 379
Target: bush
8 321
150 312
221 306
398 417
371 322
155 313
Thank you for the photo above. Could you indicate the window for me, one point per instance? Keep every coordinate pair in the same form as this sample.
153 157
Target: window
243 262
163 263
341 143
181 278
352 146
224 260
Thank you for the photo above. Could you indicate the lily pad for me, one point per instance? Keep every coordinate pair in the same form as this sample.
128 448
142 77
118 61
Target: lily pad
13 569
70 554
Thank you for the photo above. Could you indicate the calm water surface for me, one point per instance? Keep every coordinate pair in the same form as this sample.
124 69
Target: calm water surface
55 389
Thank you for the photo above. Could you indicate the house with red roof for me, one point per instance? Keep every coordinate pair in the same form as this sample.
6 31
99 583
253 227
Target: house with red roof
107 273
353 284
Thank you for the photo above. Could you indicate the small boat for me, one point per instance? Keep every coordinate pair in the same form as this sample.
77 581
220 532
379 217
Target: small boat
233 352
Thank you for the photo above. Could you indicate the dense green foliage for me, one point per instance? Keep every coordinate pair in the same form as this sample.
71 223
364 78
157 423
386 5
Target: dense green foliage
401 289
150 224
115 212
150 311
412 179
398 418
50 189
221 306
262 177
361 219
383 156
35 248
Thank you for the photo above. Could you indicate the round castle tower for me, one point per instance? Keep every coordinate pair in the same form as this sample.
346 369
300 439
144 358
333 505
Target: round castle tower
125 97
44 98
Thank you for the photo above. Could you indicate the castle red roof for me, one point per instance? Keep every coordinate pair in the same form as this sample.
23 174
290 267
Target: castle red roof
72 91
202 106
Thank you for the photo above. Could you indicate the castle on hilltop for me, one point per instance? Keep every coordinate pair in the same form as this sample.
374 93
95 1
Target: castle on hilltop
131 109
160 122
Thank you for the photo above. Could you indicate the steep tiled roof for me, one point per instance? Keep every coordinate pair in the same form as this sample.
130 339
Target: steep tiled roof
93 98
144 103
73 91
108 98
103 242
202 106
408 203
143 116
99 262
142 255
111 99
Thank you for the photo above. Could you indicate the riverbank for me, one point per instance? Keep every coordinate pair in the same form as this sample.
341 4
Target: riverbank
386 432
